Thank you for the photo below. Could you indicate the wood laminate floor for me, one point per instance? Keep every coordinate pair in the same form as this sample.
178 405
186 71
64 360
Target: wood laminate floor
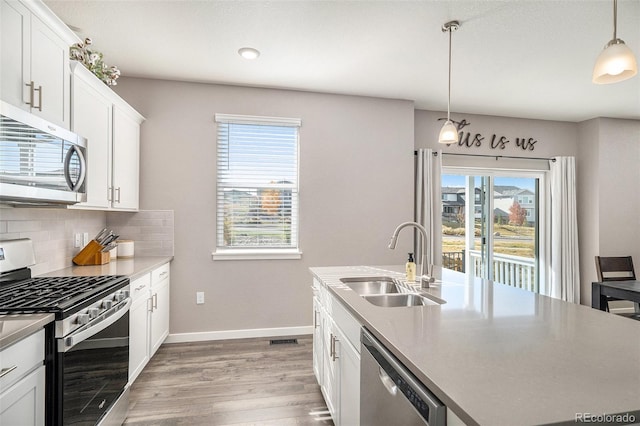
239 382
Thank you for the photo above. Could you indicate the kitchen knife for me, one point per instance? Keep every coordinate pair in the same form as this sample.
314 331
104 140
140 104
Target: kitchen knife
101 234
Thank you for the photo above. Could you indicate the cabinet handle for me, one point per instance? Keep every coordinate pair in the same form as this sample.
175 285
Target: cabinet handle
150 304
31 86
140 287
7 370
110 193
163 274
334 356
118 192
39 90
155 301
315 320
331 346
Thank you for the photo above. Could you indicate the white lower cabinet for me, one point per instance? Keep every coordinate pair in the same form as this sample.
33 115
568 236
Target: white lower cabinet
139 325
159 307
348 379
22 382
337 363
148 317
23 403
318 346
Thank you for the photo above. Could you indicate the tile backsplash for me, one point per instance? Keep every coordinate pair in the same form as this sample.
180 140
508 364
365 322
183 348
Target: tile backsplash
151 230
52 231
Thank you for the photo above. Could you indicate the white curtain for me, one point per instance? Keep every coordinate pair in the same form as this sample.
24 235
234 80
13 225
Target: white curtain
565 268
428 210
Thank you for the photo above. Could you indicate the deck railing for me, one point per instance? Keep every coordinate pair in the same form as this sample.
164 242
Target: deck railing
514 271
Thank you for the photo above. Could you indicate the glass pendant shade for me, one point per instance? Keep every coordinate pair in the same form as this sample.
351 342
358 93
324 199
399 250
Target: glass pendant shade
615 63
448 133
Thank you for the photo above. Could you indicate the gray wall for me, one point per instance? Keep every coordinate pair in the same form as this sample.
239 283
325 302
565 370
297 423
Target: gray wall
608 194
356 180
554 137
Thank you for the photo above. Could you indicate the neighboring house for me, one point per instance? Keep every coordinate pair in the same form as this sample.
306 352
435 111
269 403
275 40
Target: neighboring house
453 202
504 196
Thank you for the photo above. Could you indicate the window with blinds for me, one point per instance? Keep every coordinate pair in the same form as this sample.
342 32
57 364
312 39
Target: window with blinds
257 183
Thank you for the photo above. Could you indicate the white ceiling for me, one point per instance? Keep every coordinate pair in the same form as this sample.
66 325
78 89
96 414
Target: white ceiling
518 58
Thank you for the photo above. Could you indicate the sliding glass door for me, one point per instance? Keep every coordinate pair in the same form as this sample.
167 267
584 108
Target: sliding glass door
491 225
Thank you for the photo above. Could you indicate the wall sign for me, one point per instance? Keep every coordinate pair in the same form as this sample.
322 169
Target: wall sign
470 140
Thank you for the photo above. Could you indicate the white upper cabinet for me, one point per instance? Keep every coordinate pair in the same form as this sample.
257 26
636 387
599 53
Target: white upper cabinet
92 118
126 159
34 66
112 129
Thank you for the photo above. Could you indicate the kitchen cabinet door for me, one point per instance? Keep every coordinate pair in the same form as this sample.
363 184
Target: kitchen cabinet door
32 53
126 160
91 118
329 386
160 284
139 335
23 403
348 375
50 71
16 52
317 340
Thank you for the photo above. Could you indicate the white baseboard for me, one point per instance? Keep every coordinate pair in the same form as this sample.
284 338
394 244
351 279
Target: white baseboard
238 334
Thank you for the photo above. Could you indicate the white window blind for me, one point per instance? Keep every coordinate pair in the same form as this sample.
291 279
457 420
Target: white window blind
257 183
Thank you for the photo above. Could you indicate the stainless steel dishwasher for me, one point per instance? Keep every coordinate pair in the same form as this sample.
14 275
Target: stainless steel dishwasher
390 394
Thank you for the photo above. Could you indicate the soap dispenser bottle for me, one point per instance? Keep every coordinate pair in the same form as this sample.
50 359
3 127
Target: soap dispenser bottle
411 268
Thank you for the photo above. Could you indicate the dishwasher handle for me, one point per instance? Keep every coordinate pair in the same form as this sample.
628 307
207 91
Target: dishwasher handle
387 382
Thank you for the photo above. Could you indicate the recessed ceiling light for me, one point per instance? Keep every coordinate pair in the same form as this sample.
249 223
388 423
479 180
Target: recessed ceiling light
249 53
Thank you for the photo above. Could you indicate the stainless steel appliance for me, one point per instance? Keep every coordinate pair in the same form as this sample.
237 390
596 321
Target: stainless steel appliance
87 353
40 163
390 394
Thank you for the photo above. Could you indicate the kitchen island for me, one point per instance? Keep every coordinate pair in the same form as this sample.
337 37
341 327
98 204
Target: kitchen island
498 355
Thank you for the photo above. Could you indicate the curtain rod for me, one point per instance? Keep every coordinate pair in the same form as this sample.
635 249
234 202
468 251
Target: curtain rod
435 154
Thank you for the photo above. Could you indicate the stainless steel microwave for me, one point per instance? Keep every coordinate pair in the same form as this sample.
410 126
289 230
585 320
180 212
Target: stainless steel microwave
40 163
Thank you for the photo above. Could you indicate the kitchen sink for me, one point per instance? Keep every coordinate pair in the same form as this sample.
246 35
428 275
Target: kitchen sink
371 285
398 300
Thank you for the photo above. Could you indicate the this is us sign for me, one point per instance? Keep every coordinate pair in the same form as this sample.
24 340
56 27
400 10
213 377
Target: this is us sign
496 141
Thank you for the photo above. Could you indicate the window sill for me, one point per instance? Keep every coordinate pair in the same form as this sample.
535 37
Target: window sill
240 254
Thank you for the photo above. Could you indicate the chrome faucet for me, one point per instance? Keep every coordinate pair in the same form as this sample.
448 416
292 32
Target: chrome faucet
424 279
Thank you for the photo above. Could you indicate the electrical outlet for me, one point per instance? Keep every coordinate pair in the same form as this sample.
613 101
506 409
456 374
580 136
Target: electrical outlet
85 239
199 297
77 240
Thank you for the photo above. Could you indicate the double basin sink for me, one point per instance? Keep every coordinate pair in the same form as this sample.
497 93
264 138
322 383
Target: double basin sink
388 292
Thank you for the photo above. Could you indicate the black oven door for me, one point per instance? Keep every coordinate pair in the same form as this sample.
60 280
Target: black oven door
92 371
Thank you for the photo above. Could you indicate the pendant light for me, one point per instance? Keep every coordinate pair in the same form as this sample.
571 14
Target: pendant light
449 132
616 62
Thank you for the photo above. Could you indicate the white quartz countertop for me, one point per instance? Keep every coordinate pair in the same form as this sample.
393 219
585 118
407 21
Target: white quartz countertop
132 267
498 355
14 328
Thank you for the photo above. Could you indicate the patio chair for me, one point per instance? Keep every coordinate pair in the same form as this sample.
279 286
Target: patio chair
617 269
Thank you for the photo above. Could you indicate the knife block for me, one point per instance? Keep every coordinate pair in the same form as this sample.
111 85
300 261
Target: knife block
92 254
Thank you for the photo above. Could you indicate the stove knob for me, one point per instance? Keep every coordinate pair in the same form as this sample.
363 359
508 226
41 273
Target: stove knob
93 312
118 296
107 304
126 293
82 319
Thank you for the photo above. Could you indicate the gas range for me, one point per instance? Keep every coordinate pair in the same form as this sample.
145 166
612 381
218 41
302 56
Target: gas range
75 301
89 337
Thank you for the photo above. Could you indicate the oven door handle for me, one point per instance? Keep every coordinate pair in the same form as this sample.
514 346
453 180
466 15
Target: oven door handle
117 312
